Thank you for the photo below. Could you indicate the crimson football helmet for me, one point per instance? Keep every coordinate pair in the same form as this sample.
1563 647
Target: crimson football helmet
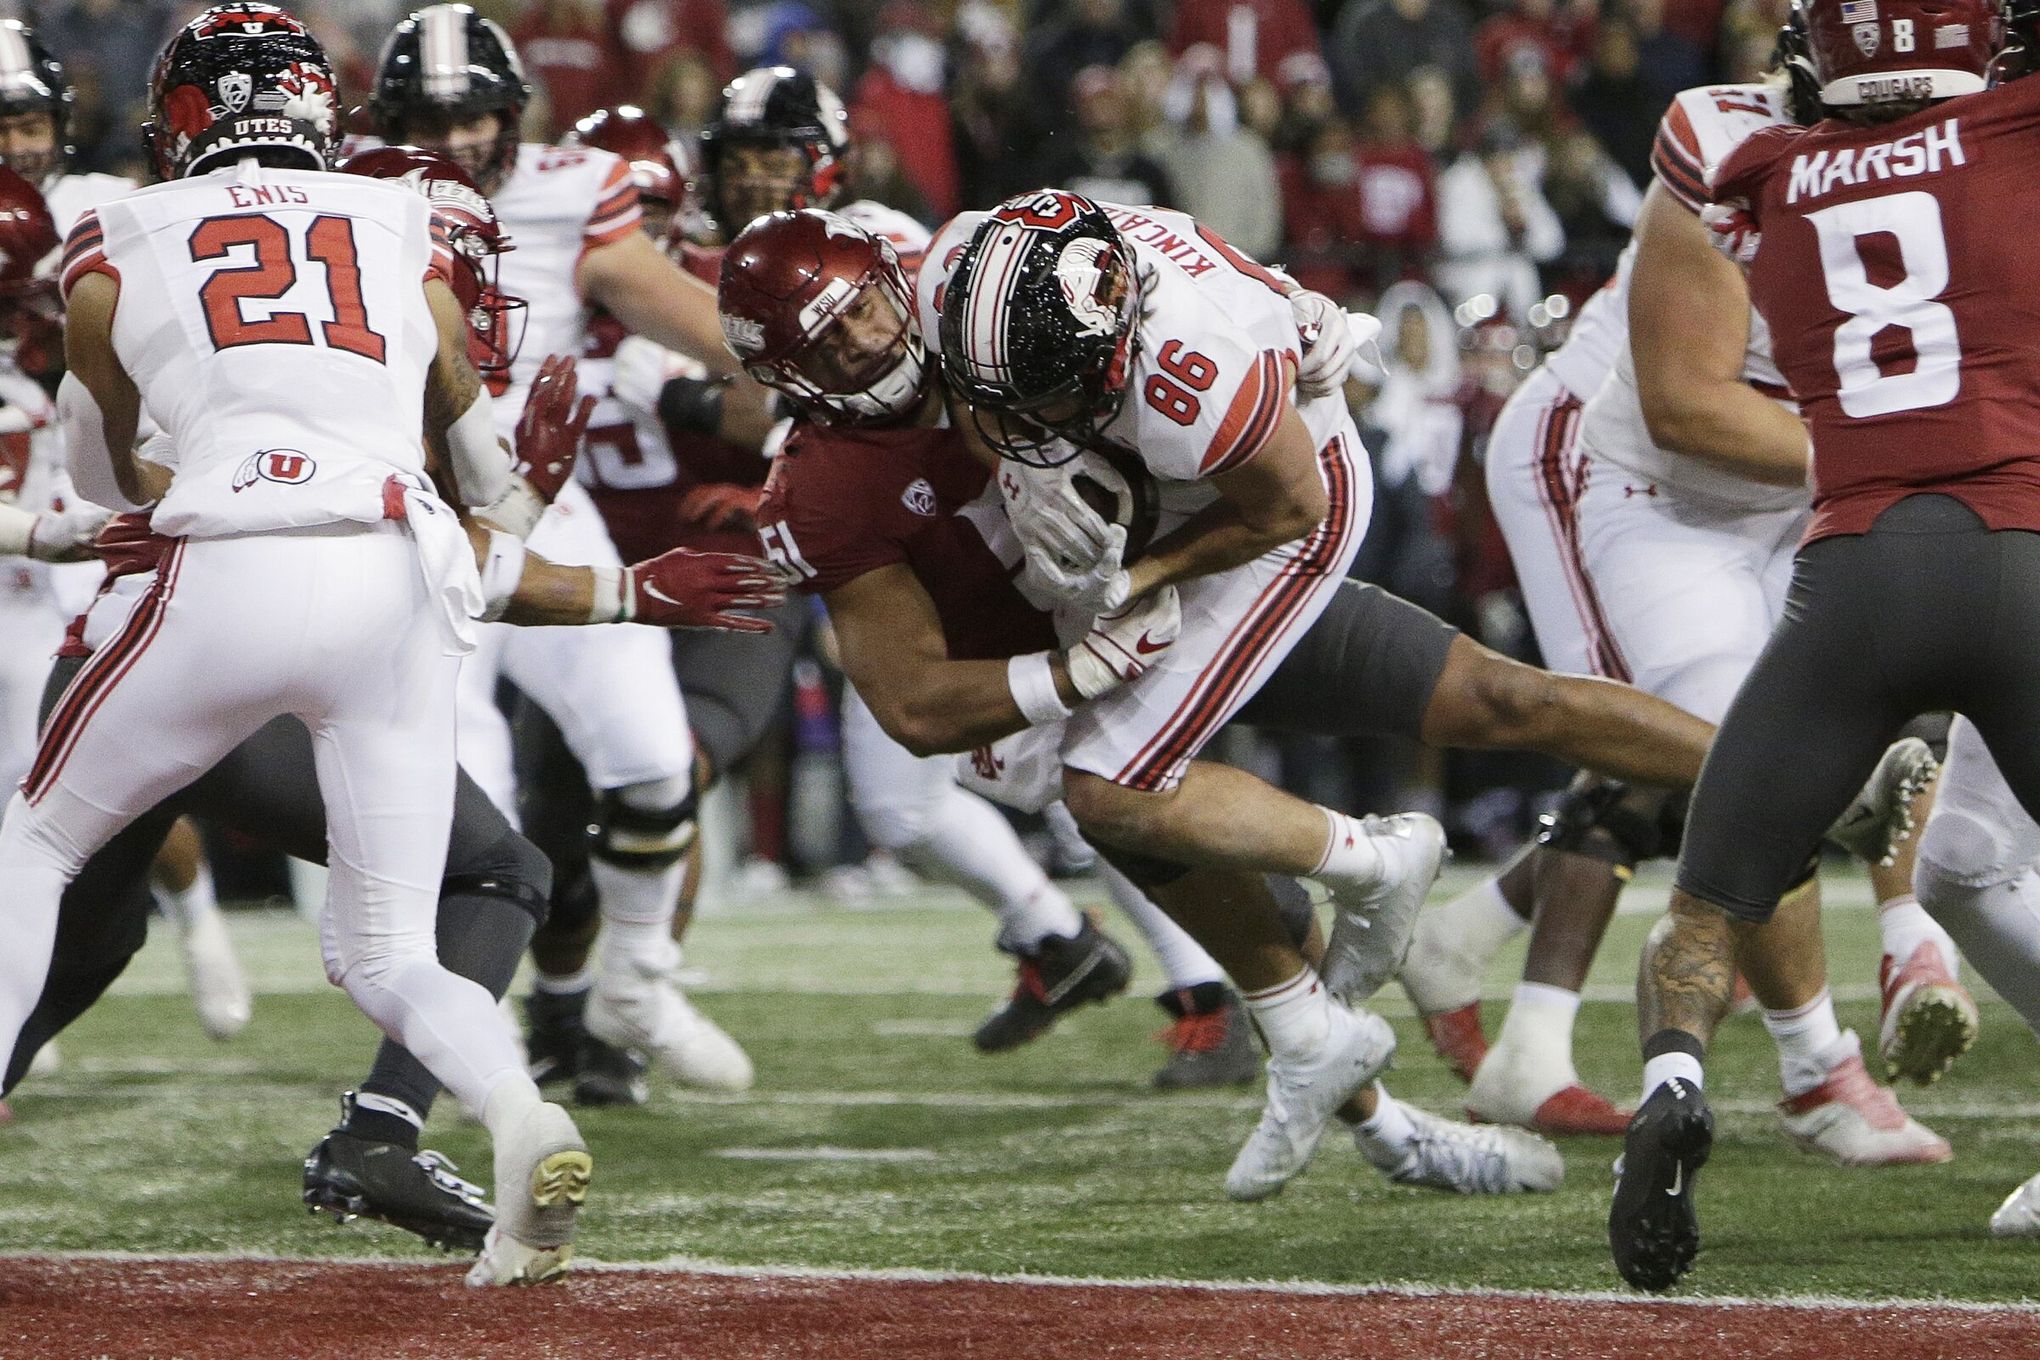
662 168
1885 51
1039 322
818 308
31 314
775 108
466 221
450 63
33 81
241 80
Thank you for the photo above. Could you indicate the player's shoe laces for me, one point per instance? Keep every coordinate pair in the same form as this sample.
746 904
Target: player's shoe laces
1880 818
219 989
1471 1159
637 1005
349 1177
1929 1019
542 1174
1210 1039
1058 974
1302 1095
1852 1119
1652 1228
1374 918
1457 1037
2019 1215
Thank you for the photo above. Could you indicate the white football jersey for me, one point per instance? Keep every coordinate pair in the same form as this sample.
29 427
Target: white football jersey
556 204
1215 362
276 325
1599 335
1698 132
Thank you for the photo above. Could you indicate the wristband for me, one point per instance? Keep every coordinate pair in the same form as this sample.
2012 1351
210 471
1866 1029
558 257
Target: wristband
1032 683
612 600
692 405
502 569
516 511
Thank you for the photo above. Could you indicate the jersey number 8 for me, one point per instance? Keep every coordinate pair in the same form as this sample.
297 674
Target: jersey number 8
273 272
1913 220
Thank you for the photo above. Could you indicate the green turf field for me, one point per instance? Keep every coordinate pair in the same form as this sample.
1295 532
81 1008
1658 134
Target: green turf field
878 1138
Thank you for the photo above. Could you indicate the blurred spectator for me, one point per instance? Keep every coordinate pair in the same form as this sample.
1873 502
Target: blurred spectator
1321 211
109 48
1144 77
1706 25
1221 174
1272 39
1616 103
1306 105
1102 160
1596 204
684 93
656 34
1398 185
901 98
1417 412
1261 110
1494 226
1437 111
1381 42
790 33
1561 31
989 107
877 172
1671 61
1083 35
573 58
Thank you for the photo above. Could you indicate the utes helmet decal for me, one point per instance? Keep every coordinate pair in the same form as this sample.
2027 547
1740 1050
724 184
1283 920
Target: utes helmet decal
33 81
789 281
464 220
775 107
1039 320
1886 51
31 314
449 60
241 80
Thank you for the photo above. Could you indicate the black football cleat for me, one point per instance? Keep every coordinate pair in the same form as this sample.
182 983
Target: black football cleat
607 1075
1059 974
421 1192
1210 1039
1652 1227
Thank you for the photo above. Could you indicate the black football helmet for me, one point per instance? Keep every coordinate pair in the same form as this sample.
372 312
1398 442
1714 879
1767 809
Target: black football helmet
241 80
774 107
1039 322
450 61
33 81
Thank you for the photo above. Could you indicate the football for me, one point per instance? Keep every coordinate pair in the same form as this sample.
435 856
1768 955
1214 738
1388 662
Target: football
1122 492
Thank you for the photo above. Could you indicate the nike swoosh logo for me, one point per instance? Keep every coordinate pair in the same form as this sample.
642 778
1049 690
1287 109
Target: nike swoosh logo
651 588
1678 1179
1148 647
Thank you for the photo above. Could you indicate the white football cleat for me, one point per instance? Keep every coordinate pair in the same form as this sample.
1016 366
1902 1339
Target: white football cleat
2019 1215
1852 1119
1880 818
1302 1096
637 1005
1473 1159
1929 1020
1374 918
542 1174
219 989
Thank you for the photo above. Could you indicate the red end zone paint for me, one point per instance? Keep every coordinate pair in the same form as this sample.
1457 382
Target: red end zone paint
56 1309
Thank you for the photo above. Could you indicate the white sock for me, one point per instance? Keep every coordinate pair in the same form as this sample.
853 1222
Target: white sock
1390 1128
1539 1027
964 840
1349 851
563 984
1453 945
1998 927
1905 926
638 895
1807 1037
186 907
1295 1017
1669 1067
1184 962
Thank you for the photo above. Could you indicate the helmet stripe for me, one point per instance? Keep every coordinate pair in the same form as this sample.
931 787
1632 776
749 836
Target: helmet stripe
443 51
15 58
748 96
986 315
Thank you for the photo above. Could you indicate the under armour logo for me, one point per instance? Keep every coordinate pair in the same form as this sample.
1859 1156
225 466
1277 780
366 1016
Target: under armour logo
986 764
1628 491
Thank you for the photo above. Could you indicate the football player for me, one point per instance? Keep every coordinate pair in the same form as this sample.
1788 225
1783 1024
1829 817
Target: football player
1873 245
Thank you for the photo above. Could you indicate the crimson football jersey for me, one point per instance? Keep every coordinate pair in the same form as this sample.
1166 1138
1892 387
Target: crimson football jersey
1901 304
844 501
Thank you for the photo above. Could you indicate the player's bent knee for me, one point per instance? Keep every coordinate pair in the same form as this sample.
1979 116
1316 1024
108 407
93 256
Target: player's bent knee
1146 872
1485 700
646 826
513 869
1108 813
1960 850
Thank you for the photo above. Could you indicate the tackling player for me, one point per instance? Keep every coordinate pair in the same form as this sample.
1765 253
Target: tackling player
1874 248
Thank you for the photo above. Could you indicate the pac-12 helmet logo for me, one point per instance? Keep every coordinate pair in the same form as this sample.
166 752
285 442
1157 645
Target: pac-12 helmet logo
286 466
919 497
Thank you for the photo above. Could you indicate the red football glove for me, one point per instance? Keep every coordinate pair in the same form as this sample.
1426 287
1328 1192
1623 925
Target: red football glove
1733 232
129 546
550 429
721 505
687 589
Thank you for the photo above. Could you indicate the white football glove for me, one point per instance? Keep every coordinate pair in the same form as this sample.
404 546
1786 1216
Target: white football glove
1328 343
66 535
1121 647
642 371
1074 555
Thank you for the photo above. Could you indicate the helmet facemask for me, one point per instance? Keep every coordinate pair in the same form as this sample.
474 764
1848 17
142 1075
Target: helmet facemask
860 359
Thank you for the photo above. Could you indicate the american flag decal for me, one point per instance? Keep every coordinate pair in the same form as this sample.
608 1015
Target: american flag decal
1859 11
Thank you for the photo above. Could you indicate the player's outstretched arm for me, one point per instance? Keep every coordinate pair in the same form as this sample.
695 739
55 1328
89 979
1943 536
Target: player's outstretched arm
1689 328
104 411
